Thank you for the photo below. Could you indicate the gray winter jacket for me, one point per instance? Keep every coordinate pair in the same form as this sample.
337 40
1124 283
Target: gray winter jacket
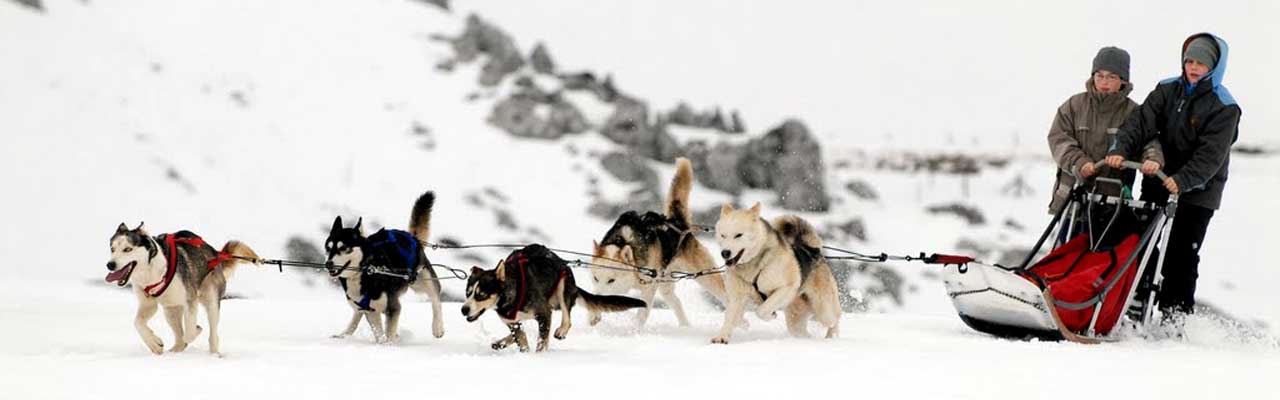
1084 129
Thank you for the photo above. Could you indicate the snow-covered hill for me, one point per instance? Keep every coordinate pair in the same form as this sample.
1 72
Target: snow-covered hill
262 121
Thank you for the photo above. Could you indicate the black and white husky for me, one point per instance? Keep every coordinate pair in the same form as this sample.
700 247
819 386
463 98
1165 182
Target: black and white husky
661 242
376 270
175 271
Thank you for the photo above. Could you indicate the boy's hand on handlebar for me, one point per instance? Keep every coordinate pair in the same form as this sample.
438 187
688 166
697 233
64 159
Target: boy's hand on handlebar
1116 162
1087 170
1150 167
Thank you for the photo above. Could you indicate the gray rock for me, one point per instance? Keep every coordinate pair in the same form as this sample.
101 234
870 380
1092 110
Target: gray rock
443 4
541 60
862 189
35 5
721 168
788 160
855 228
970 214
629 123
684 115
586 81
629 167
481 38
519 115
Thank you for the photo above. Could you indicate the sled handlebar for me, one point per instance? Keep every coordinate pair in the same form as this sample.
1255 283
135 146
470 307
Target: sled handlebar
1131 165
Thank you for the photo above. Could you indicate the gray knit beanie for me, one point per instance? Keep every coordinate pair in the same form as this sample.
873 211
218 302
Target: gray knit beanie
1112 59
1202 49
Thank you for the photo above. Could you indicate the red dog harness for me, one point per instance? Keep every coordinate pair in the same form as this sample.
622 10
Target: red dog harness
171 242
519 259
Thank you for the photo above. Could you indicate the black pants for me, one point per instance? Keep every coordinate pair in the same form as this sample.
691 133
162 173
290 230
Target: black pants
1181 267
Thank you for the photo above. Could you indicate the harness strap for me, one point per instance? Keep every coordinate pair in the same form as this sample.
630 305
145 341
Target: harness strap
364 300
171 243
520 260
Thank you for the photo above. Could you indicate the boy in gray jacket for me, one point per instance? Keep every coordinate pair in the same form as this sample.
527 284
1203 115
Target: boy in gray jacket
1086 125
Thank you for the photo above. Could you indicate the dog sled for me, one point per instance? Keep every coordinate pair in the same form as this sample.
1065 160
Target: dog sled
1104 266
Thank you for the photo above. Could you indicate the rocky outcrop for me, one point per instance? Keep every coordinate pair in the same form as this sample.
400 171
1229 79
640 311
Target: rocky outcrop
968 213
34 5
629 168
531 112
541 60
684 115
481 38
586 81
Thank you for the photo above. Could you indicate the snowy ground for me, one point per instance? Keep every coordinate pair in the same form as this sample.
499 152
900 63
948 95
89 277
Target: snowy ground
75 341
256 121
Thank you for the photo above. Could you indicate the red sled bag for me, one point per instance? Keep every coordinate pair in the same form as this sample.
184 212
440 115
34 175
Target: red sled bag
1084 282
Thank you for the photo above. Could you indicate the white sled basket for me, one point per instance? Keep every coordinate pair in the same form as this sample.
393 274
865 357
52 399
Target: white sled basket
996 301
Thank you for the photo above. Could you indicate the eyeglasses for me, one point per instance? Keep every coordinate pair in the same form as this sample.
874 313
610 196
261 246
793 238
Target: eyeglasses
1098 76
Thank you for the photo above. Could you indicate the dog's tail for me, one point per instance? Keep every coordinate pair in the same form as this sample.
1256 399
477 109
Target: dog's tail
797 231
678 194
601 304
420 218
240 253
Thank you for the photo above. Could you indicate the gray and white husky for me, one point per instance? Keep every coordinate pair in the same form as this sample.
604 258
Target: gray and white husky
199 274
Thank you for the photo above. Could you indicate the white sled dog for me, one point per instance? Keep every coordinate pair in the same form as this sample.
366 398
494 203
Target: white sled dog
777 265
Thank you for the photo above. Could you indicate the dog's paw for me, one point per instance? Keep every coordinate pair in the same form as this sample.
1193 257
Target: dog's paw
499 345
191 337
720 340
178 347
156 347
766 316
343 335
562 333
542 346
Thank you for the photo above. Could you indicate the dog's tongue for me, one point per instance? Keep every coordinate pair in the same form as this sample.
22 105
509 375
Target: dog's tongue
117 275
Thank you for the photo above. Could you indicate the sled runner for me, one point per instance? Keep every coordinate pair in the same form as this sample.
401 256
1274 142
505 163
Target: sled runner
1103 266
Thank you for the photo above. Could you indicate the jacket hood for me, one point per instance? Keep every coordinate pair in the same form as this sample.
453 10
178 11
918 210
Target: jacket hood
1219 72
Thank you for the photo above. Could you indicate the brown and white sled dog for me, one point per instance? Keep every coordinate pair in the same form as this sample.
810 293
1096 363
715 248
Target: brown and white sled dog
356 261
662 242
777 266
175 271
529 284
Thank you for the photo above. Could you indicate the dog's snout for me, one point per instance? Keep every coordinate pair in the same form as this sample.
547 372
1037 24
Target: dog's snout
725 253
111 265
466 311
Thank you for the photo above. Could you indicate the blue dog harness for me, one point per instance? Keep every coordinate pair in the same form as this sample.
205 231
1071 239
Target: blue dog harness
395 250
363 304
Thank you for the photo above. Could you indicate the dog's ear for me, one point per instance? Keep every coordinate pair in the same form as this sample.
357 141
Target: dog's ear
476 271
502 272
628 255
122 228
726 209
755 209
151 246
337 225
139 229
359 221
595 247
